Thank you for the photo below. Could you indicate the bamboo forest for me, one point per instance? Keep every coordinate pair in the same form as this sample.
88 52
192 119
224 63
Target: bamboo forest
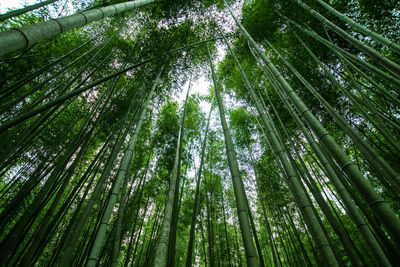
200 133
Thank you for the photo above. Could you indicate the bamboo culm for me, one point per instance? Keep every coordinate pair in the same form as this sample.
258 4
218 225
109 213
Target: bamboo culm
240 195
384 61
126 161
197 196
26 36
164 242
390 44
292 177
376 203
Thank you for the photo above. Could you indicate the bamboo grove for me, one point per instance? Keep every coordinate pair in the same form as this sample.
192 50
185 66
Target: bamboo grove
115 153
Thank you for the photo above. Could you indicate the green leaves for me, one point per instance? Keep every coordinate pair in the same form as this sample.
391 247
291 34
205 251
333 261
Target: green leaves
241 122
260 18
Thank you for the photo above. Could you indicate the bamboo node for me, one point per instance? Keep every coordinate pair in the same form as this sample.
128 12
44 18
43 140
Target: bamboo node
86 19
376 202
23 34
346 165
59 23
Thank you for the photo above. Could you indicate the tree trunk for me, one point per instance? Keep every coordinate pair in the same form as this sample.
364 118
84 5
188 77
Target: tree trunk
26 36
240 195
292 177
197 196
125 165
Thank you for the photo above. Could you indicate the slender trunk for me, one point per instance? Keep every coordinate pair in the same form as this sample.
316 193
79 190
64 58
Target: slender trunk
125 165
197 196
203 241
228 249
272 244
175 208
20 118
377 204
163 247
378 57
73 237
346 197
26 36
353 99
21 82
46 82
138 200
292 177
45 224
390 44
393 81
254 231
153 232
377 161
137 261
210 235
21 228
240 195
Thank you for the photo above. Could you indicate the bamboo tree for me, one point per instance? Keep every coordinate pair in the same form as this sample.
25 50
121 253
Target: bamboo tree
125 165
281 241
14 150
345 196
45 224
79 89
287 232
76 227
267 224
173 192
376 203
175 208
138 201
139 234
21 228
378 163
383 131
390 44
375 86
26 79
392 80
210 232
353 212
67 146
239 255
120 215
226 231
153 233
314 190
240 195
296 233
292 177
203 242
26 36
91 174
254 231
381 59
196 204
8 105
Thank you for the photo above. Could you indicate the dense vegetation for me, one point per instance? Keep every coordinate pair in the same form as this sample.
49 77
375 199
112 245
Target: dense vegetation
290 158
